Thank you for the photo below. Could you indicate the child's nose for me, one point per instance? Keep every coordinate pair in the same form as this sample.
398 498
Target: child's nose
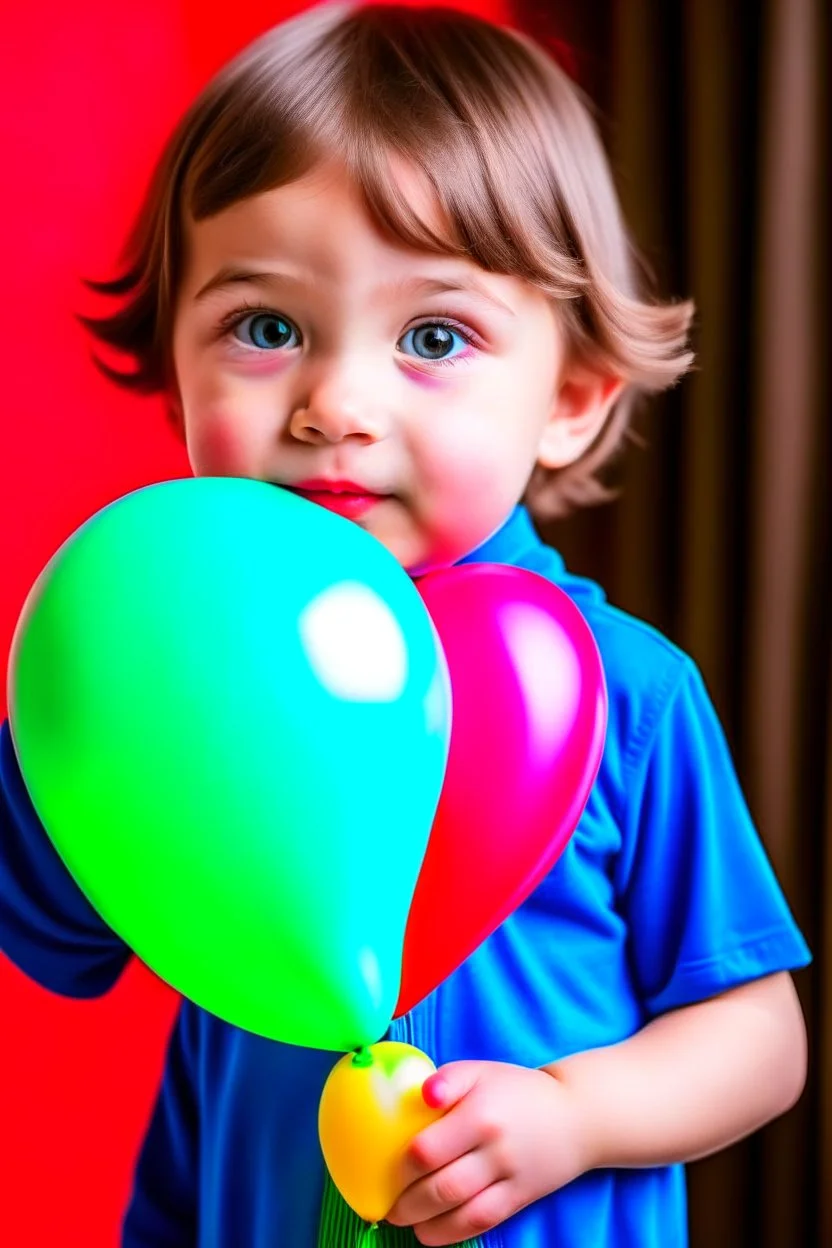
338 408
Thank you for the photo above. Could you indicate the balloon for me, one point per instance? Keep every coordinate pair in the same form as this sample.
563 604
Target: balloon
231 713
370 1110
528 732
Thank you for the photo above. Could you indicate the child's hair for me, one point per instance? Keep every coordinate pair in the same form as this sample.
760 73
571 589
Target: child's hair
500 132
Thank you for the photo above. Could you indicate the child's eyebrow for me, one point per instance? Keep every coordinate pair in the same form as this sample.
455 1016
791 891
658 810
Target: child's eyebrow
228 277
412 286
441 286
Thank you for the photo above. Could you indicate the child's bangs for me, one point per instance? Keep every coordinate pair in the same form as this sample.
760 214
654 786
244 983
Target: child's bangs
446 98
457 210
451 100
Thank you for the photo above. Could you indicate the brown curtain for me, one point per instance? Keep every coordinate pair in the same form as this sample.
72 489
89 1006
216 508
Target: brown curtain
715 114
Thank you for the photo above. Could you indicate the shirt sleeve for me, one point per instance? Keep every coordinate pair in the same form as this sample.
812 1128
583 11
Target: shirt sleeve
47 926
704 909
163 1207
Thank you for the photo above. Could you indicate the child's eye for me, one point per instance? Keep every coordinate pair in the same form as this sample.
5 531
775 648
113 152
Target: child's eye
435 340
267 331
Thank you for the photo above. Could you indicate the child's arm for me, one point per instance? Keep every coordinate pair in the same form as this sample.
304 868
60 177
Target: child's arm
165 1199
47 926
693 1081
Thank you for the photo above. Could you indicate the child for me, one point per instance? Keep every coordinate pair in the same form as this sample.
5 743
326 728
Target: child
383 265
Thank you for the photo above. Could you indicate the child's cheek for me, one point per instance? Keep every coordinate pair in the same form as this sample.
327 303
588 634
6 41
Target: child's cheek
217 447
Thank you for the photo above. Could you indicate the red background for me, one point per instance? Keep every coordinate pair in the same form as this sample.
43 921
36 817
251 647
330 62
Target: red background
88 93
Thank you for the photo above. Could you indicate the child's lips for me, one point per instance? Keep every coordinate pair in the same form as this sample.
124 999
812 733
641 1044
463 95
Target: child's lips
345 498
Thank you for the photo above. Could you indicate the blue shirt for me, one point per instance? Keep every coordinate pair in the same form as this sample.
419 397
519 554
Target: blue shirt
663 897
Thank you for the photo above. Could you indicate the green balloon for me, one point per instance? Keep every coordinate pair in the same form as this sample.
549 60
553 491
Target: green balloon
231 712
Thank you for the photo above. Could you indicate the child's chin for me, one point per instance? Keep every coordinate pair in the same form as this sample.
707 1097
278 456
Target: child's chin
417 555
422 569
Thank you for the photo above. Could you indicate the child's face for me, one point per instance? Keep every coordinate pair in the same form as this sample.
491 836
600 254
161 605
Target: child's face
412 392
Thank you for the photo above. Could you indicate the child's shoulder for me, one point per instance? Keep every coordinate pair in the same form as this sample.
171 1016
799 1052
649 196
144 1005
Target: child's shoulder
641 664
639 661
653 686
645 672
645 675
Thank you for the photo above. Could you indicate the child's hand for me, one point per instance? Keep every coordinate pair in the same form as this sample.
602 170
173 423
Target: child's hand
510 1136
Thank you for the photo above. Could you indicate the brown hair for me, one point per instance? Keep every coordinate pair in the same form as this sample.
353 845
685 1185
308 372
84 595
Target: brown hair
502 135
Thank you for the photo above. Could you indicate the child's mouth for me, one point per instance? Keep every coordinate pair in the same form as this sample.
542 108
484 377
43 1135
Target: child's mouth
345 498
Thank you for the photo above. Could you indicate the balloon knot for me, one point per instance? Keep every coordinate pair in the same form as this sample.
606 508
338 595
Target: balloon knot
363 1057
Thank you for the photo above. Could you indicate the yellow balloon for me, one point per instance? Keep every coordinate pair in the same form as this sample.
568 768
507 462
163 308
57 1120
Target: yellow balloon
370 1110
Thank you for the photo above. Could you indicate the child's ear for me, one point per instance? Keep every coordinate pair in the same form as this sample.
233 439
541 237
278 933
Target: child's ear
579 412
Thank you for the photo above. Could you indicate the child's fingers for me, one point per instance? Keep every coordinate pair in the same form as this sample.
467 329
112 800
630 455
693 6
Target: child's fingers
487 1209
458 1132
440 1144
443 1190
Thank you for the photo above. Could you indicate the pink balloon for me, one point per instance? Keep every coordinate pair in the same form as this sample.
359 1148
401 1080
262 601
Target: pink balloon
529 718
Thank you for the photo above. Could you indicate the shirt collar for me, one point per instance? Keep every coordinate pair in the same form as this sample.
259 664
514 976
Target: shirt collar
517 543
515 539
